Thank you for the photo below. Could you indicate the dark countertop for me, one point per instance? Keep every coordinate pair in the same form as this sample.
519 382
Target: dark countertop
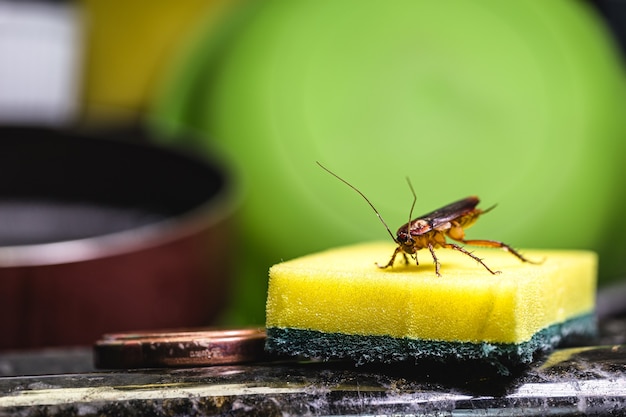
576 381
587 380
582 380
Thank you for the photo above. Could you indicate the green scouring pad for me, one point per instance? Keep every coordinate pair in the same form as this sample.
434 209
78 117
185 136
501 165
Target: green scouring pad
338 304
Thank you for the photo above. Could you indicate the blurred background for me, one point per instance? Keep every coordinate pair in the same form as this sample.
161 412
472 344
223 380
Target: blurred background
207 117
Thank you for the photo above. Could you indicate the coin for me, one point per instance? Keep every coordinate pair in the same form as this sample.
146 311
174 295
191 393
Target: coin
179 348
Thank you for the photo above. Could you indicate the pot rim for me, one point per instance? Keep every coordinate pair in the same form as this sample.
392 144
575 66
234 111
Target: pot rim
127 241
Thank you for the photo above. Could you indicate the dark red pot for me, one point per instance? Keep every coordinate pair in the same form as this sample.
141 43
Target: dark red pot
100 235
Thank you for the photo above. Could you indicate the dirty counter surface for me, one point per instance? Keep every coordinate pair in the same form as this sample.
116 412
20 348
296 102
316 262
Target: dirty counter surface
588 380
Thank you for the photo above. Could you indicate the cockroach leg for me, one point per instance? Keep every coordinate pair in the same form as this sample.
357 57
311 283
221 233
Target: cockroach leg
393 258
470 254
496 244
406 258
431 248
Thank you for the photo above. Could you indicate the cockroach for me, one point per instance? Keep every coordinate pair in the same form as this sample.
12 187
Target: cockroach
430 230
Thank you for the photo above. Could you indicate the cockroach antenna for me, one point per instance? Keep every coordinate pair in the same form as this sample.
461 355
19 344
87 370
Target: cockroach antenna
363 195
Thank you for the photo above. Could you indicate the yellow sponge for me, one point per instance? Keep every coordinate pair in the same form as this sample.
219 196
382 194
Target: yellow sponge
339 304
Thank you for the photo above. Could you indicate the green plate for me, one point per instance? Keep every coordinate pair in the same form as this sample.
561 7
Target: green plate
520 103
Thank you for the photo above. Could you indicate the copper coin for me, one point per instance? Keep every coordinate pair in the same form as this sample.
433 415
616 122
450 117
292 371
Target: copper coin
180 348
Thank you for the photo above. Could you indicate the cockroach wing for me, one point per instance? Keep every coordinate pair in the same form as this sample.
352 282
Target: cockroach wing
445 214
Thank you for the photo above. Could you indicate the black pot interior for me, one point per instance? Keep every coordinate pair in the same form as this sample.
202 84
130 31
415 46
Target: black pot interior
57 186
